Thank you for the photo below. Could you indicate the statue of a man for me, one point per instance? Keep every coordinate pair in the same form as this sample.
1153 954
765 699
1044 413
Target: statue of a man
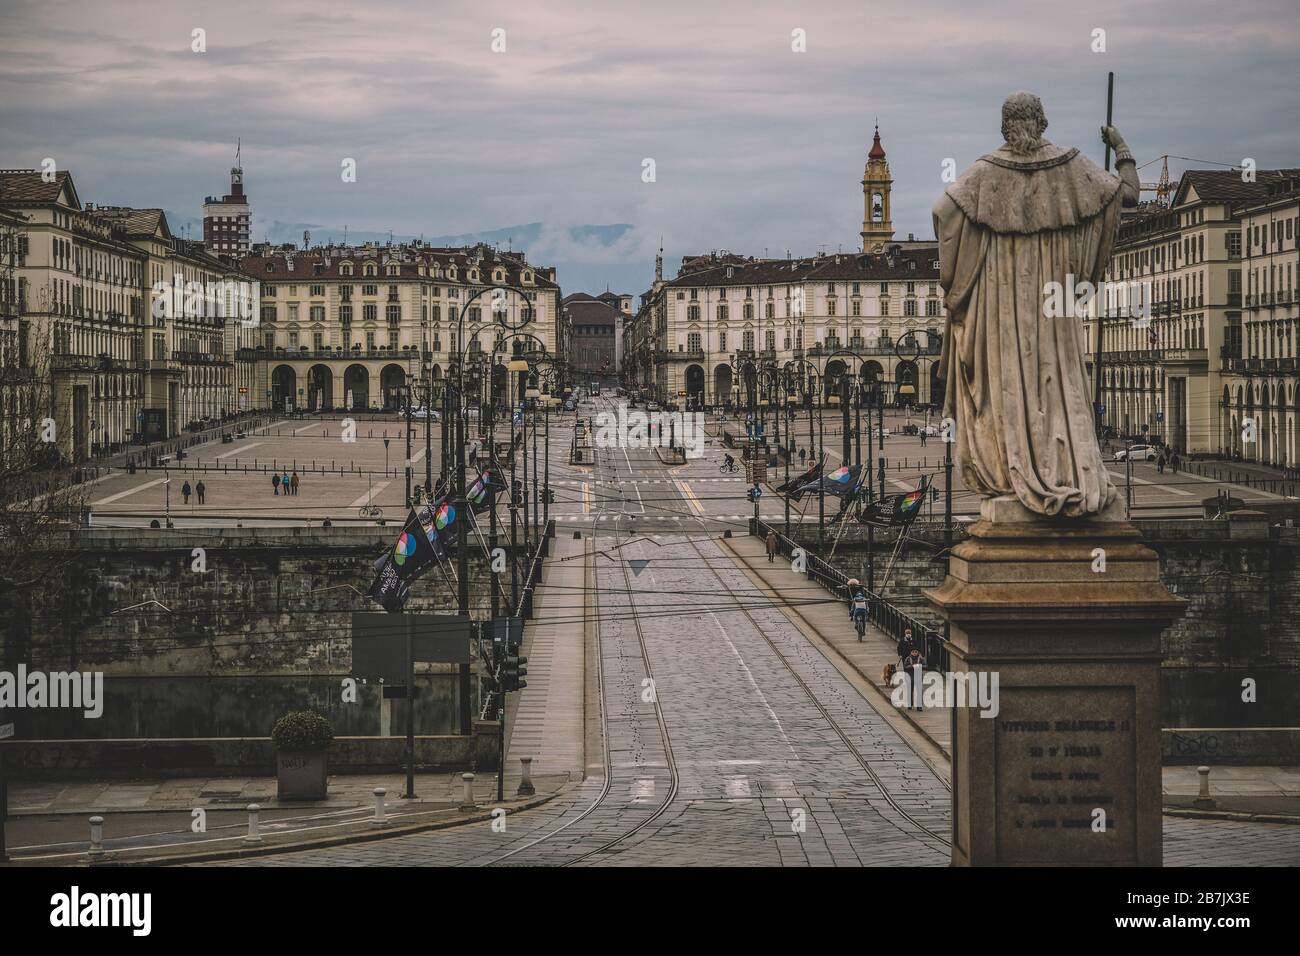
1023 217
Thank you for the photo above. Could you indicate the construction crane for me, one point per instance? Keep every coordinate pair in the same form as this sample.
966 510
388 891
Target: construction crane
1163 189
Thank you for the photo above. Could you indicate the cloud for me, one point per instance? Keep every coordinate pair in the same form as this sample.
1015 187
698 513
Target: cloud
756 147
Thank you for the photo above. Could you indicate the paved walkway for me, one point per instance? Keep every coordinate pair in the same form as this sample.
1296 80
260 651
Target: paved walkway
829 621
546 720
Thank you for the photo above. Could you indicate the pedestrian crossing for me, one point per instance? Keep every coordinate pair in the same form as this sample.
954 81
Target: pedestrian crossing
638 481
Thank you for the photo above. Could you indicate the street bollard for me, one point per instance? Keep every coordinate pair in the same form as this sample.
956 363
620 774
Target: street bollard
380 820
96 851
1203 799
467 797
253 836
526 788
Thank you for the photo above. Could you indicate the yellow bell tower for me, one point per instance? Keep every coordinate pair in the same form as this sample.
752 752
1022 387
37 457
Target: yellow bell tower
877 229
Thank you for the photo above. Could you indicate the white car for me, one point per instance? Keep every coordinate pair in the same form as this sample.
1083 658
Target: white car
1137 453
420 414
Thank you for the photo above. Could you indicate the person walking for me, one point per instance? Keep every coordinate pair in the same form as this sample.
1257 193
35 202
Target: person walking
1160 464
200 489
185 490
293 483
275 482
284 482
771 545
905 646
1173 462
803 453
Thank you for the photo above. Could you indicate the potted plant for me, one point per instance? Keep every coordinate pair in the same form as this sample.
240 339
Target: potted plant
301 739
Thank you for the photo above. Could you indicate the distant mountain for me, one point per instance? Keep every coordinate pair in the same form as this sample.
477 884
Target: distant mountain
587 257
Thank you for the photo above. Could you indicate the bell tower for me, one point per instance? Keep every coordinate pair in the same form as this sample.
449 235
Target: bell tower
877 228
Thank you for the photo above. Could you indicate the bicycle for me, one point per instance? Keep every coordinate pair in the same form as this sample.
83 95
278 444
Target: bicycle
729 467
860 625
370 511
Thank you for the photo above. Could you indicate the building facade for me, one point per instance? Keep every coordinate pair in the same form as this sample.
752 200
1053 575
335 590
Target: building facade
593 327
349 327
1166 365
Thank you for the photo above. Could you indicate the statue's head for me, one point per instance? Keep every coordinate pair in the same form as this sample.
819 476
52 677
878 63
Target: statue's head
1023 122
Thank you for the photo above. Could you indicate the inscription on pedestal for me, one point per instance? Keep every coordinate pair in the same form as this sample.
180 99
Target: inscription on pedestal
1062 753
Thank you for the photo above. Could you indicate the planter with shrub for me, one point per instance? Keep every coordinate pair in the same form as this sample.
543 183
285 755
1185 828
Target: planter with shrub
301 740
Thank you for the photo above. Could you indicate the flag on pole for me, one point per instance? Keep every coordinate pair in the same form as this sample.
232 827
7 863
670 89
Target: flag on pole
484 491
896 509
793 489
839 482
422 541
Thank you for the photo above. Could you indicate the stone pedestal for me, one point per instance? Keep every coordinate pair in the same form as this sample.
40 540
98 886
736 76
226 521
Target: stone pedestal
1077 654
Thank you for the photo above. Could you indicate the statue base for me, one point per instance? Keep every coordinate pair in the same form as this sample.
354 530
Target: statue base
1068 615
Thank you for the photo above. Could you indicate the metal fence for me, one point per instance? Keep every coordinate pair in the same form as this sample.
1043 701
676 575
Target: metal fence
885 616
533 571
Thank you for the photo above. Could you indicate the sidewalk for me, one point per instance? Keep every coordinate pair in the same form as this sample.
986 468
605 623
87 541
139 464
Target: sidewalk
545 720
1266 794
155 819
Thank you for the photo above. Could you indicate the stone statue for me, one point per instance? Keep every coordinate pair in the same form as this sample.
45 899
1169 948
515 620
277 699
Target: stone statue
1023 217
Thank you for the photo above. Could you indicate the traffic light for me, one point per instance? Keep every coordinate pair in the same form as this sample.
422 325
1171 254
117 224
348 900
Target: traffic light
512 672
550 496
516 491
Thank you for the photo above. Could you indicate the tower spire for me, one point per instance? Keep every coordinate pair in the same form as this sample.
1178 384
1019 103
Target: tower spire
877 227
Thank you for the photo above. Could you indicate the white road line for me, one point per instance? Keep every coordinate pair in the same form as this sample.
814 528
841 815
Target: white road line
369 496
238 451
299 431
1143 481
130 491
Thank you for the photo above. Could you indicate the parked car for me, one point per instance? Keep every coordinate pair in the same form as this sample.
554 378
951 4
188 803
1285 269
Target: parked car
1137 453
654 407
420 414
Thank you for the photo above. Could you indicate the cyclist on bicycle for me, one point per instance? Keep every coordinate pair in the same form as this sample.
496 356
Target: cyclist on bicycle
728 462
858 608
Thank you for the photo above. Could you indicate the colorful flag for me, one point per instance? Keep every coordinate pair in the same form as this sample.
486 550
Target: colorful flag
484 491
896 509
839 482
422 541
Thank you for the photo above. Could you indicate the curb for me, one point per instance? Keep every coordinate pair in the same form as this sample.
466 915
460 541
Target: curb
1239 816
319 843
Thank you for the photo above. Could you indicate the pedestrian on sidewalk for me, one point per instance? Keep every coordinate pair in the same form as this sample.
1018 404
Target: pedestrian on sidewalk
803 453
905 646
284 482
1173 462
275 482
201 489
185 490
1160 464
293 482
771 545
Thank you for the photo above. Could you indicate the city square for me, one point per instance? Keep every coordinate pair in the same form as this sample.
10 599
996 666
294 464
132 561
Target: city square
621 488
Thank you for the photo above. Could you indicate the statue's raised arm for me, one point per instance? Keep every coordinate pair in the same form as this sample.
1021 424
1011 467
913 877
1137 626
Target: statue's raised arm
1125 165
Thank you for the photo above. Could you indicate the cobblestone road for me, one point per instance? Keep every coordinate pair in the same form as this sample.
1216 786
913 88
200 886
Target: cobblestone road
731 739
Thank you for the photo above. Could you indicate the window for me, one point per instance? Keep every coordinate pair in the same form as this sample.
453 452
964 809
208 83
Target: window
317 313
394 315
749 340
749 310
317 290
693 313
318 341
722 312
857 306
370 341
369 312
693 342
722 341
830 306
770 343
345 314
370 290
769 310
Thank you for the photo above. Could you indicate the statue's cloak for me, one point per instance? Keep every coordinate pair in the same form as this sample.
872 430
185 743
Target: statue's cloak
1016 384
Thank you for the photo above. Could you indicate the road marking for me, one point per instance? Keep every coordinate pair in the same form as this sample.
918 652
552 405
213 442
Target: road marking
689 495
738 788
586 500
369 496
238 451
1143 481
299 431
130 491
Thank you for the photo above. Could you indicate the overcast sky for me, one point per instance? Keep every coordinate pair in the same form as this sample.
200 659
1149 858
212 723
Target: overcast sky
757 148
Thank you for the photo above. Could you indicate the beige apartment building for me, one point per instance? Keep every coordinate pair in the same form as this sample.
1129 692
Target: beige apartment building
1263 382
1165 365
350 327
875 315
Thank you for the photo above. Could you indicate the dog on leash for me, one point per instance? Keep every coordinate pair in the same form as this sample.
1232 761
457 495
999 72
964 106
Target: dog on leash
887 675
